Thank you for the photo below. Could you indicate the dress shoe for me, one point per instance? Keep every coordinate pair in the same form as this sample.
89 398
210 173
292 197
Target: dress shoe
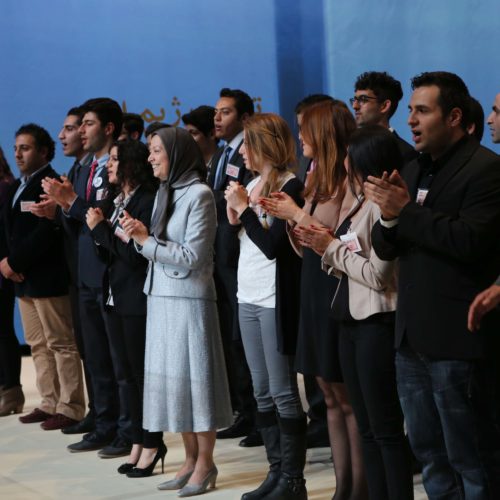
35 416
252 440
241 428
82 427
126 467
191 490
177 483
148 471
57 421
11 401
90 442
117 448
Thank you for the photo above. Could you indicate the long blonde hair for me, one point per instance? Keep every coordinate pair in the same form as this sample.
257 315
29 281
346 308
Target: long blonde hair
326 127
269 140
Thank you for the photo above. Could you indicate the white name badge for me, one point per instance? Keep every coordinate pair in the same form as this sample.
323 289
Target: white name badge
350 240
120 233
421 196
232 170
100 194
26 206
97 182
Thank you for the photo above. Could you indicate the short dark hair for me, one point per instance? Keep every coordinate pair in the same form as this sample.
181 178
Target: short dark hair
133 123
41 136
384 86
202 118
153 127
107 111
310 100
242 101
372 149
476 117
78 111
133 166
453 93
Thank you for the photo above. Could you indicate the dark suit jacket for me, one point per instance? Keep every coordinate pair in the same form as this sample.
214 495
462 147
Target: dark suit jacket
91 265
226 240
449 250
126 268
33 245
407 150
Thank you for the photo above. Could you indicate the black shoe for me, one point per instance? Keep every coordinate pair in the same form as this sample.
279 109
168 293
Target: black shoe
242 427
82 427
252 440
90 442
126 467
148 471
117 448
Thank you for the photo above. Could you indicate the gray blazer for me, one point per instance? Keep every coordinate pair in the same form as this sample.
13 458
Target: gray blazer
183 267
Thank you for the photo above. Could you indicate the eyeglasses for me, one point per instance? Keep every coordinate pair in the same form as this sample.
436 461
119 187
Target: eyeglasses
362 99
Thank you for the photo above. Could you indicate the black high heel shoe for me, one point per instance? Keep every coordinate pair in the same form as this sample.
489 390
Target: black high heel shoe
126 467
148 471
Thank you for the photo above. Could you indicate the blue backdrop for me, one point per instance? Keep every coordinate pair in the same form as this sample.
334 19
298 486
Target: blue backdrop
161 58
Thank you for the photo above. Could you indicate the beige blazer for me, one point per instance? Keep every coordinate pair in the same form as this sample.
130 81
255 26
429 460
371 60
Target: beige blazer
372 282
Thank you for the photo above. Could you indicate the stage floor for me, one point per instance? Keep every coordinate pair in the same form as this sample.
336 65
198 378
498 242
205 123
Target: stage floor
34 464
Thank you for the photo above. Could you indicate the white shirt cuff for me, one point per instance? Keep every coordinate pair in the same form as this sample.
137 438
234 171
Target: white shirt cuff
389 223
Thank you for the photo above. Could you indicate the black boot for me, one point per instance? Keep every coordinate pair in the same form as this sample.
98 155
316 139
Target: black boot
291 484
270 432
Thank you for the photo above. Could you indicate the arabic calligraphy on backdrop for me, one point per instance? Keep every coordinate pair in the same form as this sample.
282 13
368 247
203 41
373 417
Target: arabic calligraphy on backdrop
149 116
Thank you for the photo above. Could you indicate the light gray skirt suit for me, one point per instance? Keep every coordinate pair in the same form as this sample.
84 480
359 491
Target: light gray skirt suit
185 383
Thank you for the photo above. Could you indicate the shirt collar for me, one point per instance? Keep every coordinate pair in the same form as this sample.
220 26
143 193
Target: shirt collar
234 143
101 162
427 163
26 178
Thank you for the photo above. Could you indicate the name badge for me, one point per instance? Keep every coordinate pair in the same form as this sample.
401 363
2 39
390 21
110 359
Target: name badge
421 196
97 182
232 170
26 206
120 233
100 194
350 240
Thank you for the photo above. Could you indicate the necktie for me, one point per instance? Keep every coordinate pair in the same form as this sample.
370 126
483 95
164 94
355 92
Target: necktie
91 178
221 171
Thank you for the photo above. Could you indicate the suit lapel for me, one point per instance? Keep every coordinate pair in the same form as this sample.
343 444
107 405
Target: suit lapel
215 164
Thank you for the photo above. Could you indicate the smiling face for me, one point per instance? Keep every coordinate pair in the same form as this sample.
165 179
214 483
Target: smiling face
28 158
112 165
494 120
70 137
158 158
432 132
227 122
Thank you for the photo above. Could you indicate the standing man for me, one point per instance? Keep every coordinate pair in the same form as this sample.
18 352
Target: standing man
31 255
101 126
494 120
443 221
376 98
231 111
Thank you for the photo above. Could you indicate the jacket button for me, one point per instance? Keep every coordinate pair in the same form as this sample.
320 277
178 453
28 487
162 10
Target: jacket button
176 273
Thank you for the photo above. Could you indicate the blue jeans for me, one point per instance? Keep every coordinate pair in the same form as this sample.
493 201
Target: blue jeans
443 425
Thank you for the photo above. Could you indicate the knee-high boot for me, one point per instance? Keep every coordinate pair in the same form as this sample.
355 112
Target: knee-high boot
291 484
267 425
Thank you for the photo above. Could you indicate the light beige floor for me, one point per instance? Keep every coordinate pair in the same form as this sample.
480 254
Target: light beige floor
34 464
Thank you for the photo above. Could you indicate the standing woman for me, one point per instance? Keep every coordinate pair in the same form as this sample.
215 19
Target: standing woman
11 393
325 131
268 303
185 387
364 307
133 188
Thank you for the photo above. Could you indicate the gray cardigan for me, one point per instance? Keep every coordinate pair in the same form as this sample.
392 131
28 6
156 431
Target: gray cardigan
183 267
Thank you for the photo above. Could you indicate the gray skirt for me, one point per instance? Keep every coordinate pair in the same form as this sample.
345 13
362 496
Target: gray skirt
185 381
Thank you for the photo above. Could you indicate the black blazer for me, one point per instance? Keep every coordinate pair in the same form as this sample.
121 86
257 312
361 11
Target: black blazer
32 244
274 244
91 265
226 239
449 250
126 268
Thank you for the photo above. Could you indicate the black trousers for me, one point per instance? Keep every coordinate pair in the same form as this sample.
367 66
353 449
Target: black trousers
10 353
367 357
98 360
127 335
240 380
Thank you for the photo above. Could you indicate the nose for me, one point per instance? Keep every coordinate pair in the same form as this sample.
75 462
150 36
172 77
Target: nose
217 117
489 121
81 129
150 157
412 120
355 105
61 135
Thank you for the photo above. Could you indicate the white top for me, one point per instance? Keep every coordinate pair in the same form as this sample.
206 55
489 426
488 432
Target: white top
256 273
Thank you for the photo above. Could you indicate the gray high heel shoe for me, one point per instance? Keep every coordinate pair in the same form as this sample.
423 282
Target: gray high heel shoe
177 483
191 490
